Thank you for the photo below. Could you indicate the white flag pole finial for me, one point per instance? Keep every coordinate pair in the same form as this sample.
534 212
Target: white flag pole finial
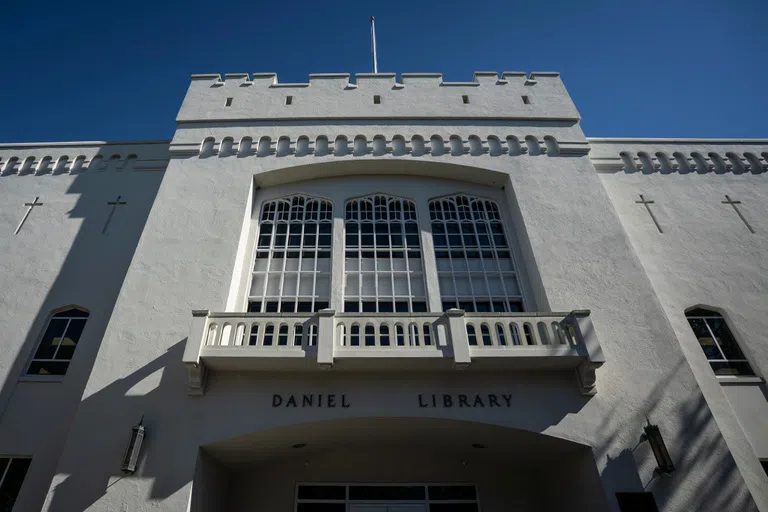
373 40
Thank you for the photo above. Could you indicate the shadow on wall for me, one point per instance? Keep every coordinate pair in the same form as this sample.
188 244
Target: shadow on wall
89 476
91 276
695 449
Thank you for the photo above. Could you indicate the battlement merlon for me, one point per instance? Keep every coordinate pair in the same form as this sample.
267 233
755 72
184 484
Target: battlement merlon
490 96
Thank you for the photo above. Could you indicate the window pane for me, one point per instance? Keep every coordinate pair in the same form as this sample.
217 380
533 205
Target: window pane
731 368
292 222
725 338
48 368
386 492
322 492
71 337
473 271
14 477
706 340
380 275
51 338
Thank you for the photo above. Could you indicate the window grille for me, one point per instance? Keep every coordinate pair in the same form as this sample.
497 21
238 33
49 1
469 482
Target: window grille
383 265
724 355
474 262
292 267
57 346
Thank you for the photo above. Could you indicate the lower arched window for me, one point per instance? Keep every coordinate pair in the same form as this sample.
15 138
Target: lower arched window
59 341
724 355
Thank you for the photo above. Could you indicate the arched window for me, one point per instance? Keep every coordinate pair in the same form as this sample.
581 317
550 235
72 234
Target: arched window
57 346
724 355
382 268
291 272
474 261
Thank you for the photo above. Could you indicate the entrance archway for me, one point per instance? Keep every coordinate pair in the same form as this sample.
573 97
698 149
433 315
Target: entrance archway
413 459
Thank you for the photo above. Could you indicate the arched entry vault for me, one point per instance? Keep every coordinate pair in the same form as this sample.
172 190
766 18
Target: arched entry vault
510 469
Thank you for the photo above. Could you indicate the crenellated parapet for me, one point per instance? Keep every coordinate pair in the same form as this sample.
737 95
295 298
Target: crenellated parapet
679 155
489 95
359 145
79 157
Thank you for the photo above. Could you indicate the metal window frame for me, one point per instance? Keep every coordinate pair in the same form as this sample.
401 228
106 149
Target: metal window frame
53 316
271 214
347 501
438 214
723 358
407 213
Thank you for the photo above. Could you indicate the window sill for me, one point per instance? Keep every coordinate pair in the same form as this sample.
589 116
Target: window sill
41 378
733 379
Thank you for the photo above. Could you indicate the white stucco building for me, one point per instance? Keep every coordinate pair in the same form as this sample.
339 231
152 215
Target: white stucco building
383 294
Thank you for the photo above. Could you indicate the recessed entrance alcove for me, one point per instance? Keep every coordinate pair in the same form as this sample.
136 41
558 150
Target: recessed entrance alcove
396 465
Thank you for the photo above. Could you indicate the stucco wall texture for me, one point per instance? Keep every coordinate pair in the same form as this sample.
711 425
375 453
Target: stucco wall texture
185 239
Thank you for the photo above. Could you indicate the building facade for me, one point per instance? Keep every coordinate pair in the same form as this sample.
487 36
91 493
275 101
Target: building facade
383 295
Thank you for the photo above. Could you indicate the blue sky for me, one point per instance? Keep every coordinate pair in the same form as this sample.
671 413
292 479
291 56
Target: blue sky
88 70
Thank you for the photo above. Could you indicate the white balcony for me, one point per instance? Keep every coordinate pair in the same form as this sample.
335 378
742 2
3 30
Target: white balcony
242 342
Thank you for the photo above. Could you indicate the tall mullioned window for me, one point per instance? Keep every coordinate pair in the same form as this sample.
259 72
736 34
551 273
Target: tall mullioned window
383 265
724 355
59 341
292 268
474 261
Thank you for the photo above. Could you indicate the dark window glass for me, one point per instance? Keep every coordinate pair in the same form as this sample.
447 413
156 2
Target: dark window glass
718 343
48 368
14 477
351 307
451 492
386 492
51 339
731 368
69 341
254 307
322 492
764 463
725 338
636 502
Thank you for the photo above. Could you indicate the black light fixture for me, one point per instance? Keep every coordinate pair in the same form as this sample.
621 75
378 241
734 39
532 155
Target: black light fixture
653 436
131 457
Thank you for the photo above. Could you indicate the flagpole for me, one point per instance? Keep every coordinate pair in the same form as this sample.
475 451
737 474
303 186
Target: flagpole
373 39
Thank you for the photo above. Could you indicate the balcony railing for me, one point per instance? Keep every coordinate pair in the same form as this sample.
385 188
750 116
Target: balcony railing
391 341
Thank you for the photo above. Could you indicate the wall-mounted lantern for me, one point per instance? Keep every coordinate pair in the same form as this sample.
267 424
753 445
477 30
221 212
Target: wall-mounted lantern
663 460
131 457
